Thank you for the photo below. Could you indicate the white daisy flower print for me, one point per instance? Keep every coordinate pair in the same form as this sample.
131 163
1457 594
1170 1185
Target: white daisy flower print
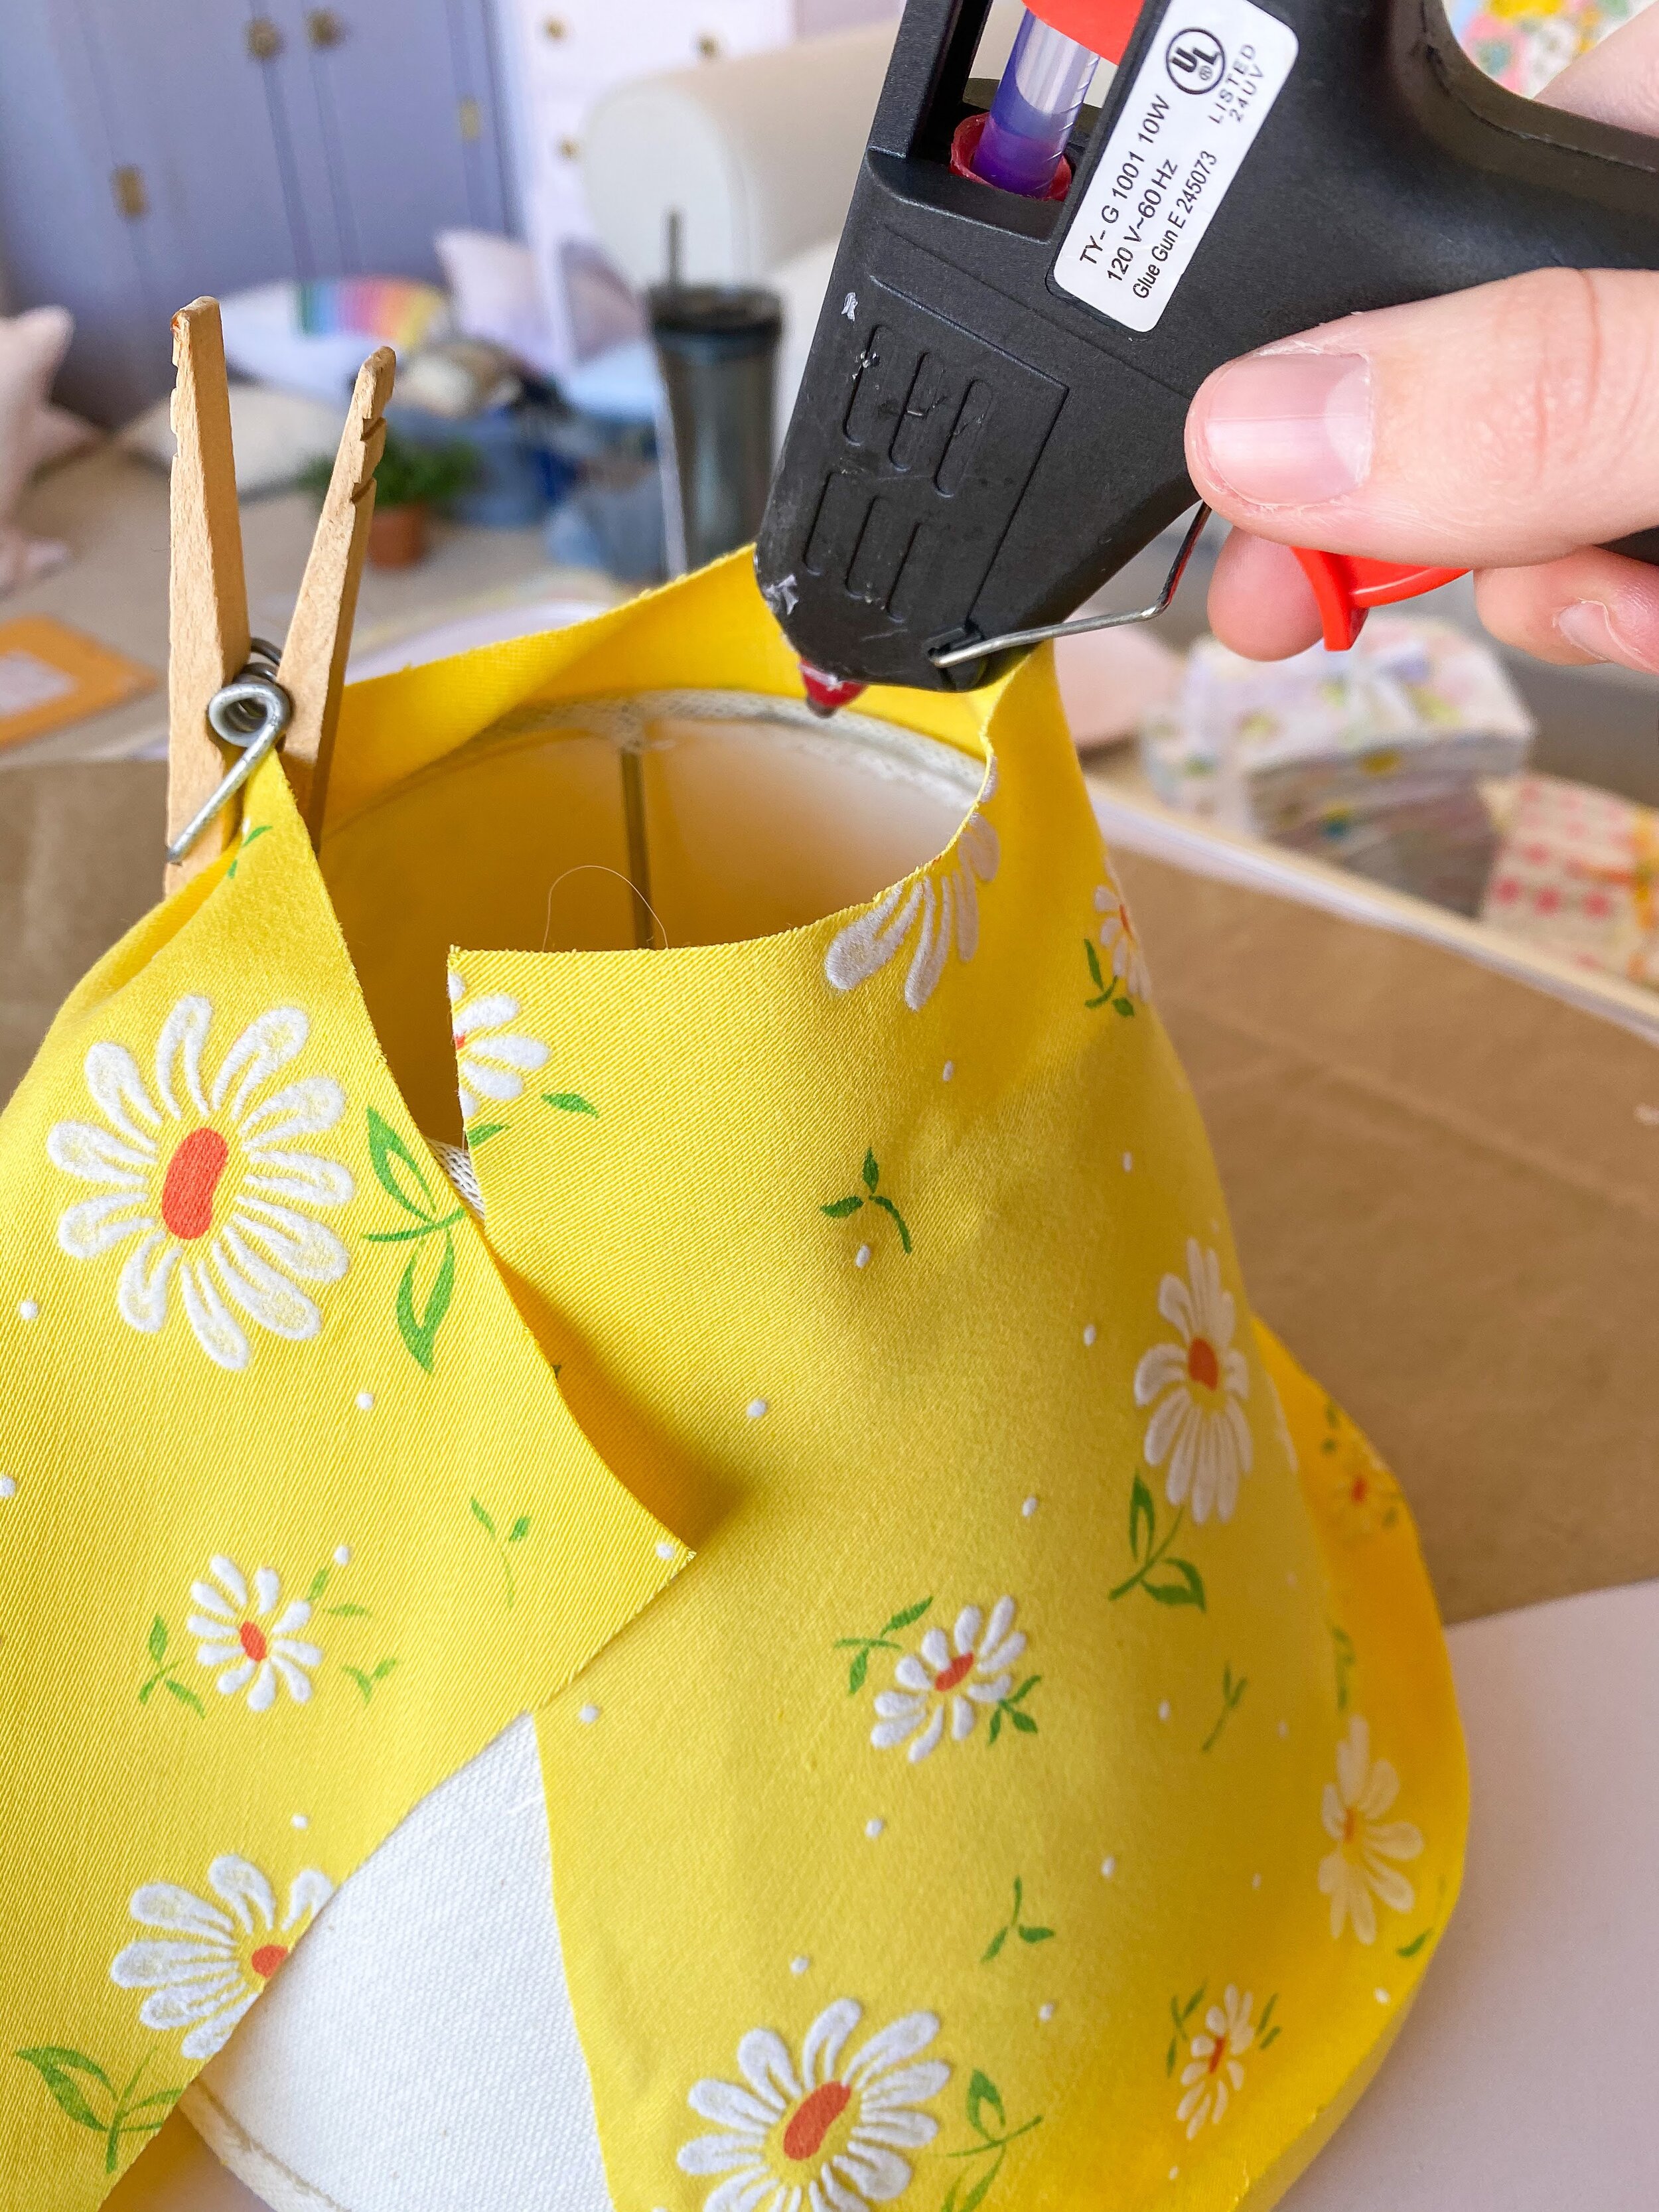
1121 940
1212 2075
491 1057
948 1681
1197 1389
941 909
208 1962
252 1637
1365 1862
209 1182
826 2132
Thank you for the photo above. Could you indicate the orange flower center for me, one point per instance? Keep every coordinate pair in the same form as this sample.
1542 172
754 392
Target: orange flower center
266 1959
252 1638
460 1040
192 1176
1350 1822
1361 1491
1201 1362
803 2136
1218 2054
954 1673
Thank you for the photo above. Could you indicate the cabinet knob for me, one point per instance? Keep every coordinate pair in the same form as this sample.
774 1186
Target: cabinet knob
708 47
264 40
131 194
324 28
569 148
470 118
555 27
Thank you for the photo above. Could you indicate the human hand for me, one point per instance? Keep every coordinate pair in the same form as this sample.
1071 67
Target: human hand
1512 429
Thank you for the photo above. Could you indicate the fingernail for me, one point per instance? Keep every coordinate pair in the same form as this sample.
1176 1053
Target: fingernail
1290 429
1589 626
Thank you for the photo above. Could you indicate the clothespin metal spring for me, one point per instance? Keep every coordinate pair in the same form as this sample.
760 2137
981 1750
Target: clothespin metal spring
252 713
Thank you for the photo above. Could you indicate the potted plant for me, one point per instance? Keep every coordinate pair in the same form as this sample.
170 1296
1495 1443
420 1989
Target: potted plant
411 481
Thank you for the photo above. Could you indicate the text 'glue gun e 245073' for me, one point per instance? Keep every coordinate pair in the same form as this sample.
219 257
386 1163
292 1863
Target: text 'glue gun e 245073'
1029 293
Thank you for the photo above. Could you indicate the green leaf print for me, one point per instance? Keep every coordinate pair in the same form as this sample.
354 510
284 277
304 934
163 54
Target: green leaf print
1009 1709
862 1646
1182 2015
259 829
515 1534
1166 1580
569 1102
1231 1691
419 1326
165 1671
1016 1925
395 1165
420 1311
1347 1660
986 2156
842 1209
1108 992
481 1132
370 1681
85 2094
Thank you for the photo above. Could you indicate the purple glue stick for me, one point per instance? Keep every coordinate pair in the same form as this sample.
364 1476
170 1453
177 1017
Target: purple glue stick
1024 139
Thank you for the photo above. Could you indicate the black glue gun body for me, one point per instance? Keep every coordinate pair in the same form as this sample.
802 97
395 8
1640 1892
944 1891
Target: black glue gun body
991 420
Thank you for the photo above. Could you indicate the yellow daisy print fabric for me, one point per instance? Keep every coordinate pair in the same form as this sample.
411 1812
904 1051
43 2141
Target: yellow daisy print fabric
276 1557
1046 1789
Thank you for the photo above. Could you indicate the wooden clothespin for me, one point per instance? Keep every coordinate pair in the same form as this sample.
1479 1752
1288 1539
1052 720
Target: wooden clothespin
209 640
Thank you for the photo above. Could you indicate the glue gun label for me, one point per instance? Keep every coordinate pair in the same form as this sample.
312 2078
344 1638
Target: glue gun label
1203 89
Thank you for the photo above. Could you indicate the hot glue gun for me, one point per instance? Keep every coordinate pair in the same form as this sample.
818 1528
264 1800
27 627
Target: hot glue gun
990 423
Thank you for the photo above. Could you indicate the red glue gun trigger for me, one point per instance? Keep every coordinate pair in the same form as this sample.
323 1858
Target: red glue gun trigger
1346 587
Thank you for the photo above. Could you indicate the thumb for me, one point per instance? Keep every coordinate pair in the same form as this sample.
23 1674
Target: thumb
1497 427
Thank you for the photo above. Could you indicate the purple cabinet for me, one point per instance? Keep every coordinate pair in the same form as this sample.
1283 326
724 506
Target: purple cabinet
154 149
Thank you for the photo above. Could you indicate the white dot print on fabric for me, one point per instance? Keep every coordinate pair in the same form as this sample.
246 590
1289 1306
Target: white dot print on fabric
1128 1162
365 1402
664 1550
588 1715
302 1820
8 1486
1284 1730
1045 2013
799 1965
1163 1710
1090 1333
863 1256
342 1555
1028 1508
950 1069
28 1309
873 1829
1381 1996
1109 1867
756 1407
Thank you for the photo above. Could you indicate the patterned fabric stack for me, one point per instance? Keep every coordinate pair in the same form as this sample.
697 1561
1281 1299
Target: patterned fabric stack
1524 44
1577 874
1373 758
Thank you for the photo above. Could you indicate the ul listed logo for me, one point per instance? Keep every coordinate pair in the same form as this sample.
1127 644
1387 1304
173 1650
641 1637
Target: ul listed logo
1196 60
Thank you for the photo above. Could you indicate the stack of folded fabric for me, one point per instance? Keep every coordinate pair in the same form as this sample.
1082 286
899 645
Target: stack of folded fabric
1373 758
1577 873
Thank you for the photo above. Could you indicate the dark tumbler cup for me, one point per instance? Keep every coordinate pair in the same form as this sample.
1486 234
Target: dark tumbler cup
718 347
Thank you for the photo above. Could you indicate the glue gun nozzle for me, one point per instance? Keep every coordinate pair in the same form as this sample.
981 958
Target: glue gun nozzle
826 695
